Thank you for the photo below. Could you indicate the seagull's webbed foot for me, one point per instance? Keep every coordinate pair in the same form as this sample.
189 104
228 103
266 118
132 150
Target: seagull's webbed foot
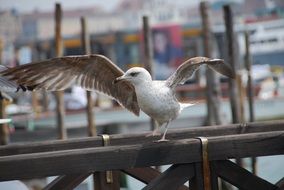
163 139
154 133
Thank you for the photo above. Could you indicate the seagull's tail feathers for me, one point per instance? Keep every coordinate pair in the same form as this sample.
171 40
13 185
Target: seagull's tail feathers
185 105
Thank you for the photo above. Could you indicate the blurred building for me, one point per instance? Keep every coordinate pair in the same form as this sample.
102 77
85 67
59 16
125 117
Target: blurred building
40 25
10 28
159 12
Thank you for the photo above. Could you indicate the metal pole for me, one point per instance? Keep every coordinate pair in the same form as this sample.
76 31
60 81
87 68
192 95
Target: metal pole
60 111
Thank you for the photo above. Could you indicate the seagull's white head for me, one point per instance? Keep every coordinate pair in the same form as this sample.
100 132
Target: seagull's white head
135 75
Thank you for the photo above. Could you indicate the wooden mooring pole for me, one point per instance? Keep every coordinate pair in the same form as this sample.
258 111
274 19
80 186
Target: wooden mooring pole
86 46
148 53
99 178
60 110
212 83
233 87
231 60
250 93
4 130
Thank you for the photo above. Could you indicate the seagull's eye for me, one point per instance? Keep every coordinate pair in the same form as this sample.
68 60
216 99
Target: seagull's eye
134 74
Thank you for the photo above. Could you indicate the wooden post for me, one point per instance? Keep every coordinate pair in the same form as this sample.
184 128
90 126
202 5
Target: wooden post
4 130
148 49
235 105
86 46
212 83
34 94
231 60
250 93
148 53
90 103
60 111
241 95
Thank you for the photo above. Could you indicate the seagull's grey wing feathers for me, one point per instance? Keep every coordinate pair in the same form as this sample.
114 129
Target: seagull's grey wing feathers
91 72
187 68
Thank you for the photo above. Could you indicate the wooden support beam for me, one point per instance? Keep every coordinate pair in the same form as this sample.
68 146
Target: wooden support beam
197 182
139 155
214 178
128 139
240 177
173 178
60 110
66 182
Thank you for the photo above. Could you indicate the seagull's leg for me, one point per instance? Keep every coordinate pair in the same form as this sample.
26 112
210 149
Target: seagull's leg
164 135
155 132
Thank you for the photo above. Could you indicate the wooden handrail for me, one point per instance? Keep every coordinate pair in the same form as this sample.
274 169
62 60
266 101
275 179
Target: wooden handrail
85 160
128 139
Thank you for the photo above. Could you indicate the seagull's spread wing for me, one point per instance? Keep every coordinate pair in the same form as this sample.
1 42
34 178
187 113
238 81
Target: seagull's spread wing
91 72
186 69
5 84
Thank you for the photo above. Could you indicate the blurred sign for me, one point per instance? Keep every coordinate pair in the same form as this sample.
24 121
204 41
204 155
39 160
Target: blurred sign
167 49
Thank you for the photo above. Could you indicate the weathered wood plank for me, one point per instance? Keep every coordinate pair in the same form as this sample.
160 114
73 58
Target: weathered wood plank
173 178
88 160
240 177
66 182
128 139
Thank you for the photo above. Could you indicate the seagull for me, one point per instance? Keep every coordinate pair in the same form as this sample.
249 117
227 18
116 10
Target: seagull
134 89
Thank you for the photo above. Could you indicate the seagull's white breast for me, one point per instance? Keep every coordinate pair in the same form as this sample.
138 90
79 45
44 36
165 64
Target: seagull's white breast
157 100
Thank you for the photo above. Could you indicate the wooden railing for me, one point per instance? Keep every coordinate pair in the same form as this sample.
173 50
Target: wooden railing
134 154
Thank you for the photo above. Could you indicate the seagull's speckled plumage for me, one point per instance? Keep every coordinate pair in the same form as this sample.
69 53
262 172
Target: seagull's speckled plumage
133 89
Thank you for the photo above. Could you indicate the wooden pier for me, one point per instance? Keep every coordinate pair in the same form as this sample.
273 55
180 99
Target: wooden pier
75 159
